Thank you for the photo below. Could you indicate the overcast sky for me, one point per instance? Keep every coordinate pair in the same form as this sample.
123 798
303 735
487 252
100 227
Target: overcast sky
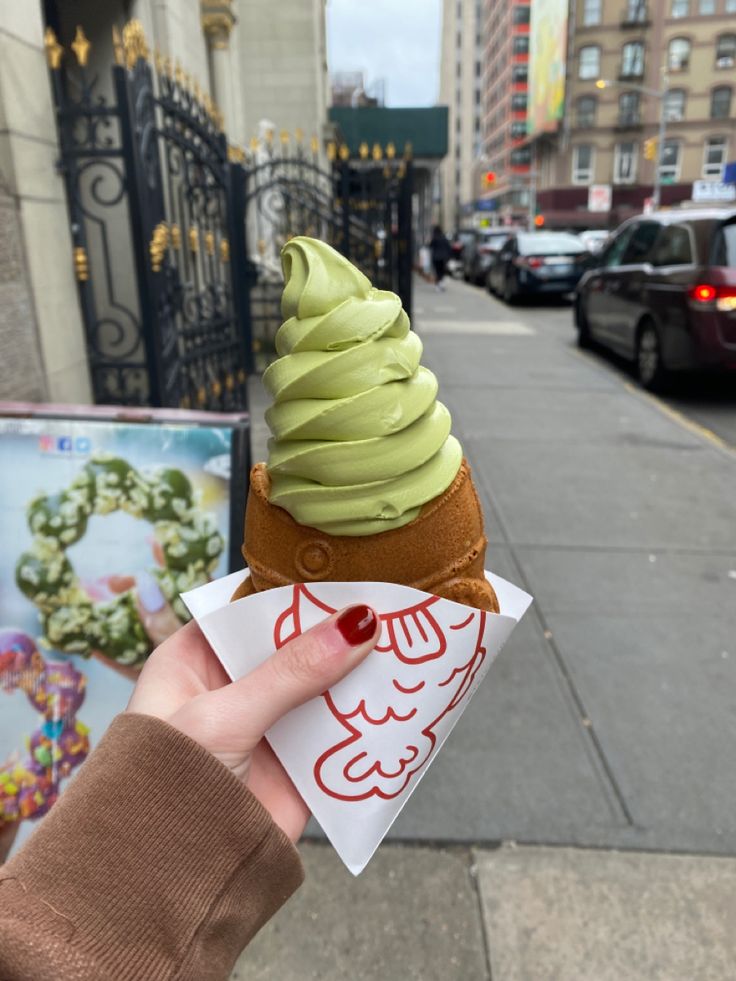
397 40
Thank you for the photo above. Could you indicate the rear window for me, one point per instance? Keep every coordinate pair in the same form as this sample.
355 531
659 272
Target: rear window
496 241
673 247
549 244
724 245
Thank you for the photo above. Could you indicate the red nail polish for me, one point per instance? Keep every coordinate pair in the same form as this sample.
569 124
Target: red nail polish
357 624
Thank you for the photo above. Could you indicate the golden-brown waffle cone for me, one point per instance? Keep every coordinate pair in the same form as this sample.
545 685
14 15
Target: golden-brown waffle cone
442 551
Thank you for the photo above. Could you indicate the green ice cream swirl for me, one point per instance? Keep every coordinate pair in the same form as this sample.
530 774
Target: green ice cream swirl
359 441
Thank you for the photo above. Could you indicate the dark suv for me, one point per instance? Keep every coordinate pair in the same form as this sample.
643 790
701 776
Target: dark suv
663 293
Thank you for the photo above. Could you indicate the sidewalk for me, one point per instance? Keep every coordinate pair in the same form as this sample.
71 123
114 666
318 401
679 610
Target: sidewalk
608 720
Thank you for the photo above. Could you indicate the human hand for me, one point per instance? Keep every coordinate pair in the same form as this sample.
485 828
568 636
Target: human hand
184 684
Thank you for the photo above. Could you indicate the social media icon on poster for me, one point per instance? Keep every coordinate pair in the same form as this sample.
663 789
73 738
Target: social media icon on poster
64 444
46 443
82 444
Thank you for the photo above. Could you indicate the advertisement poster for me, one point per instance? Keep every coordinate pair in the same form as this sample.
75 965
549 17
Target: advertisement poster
103 525
547 64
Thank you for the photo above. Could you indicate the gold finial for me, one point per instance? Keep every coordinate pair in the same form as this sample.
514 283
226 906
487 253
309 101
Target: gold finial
175 236
235 154
390 151
207 103
158 246
284 136
224 250
363 150
344 152
230 382
81 263
80 46
117 46
54 51
194 239
314 143
241 375
134 43
377 152
408 150
158 60
402 169
254 143
197 91
269 136
209 243
299 134
179 74
217 388
168 68
202 395
331 150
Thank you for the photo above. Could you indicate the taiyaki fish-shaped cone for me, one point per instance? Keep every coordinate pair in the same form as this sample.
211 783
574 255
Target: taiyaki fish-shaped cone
364 480
441 551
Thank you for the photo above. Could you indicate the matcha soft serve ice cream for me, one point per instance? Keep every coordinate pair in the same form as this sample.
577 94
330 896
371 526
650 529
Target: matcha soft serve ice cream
364 480
359 441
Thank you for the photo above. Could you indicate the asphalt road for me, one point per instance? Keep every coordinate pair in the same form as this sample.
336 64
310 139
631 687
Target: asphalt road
708 401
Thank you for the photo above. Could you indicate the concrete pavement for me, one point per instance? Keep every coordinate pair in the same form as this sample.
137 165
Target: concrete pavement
608 720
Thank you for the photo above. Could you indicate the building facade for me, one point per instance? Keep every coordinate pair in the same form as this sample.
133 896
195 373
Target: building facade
460 91
506 155
254 65
630 62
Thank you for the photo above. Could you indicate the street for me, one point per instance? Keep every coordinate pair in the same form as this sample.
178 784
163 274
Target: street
607 722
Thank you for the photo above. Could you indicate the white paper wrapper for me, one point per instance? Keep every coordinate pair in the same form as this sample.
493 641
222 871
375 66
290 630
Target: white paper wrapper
357 753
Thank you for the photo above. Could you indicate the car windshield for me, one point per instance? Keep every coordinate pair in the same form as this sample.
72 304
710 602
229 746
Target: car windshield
549 243
495 241
724 245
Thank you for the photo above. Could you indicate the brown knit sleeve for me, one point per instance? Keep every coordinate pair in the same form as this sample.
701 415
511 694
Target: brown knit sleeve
155 863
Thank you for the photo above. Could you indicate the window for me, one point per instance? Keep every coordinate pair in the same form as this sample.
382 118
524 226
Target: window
590 61
582 164
636 12
678 54
673 247
714 157
724 245
629 109
726 51
520 44
640 244
591 12
632 60
720 102
624 163
669 164
731 6
674 105
707 7
585 110
520 15
680 8
519 73
458 123
613 254
521 157
518 101
477 69
518 130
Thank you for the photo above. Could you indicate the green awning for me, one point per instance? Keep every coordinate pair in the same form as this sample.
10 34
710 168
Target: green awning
425 129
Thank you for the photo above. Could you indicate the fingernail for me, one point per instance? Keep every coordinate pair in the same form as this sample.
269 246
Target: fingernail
149 593
357 624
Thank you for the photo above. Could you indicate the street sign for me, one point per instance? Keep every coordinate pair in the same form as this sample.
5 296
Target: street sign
713 191
599 197
729 172
486 204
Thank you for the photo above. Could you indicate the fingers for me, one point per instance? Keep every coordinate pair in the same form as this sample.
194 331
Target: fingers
239 714
159 620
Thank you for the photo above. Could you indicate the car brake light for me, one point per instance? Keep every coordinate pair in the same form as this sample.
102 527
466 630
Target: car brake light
535 262
702 293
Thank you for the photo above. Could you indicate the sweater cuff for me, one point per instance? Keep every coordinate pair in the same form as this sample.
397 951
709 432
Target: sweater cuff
160 859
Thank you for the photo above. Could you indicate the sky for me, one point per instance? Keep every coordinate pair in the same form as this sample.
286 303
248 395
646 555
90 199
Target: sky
398 40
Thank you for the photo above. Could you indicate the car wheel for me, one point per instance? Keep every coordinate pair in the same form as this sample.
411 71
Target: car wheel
510 291
489 283
582 326
651 372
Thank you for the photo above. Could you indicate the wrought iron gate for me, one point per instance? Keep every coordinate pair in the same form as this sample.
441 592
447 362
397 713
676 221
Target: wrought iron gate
177 236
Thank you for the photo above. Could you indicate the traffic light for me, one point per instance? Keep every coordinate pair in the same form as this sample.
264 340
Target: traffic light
489 178
650 148
539 221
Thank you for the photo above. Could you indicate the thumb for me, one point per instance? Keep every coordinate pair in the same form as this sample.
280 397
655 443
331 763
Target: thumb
236 717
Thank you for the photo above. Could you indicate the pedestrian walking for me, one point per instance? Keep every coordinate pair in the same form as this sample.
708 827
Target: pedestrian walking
440 251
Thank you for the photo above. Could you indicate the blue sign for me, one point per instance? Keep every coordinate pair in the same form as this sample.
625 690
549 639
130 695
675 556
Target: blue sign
729 173
486 204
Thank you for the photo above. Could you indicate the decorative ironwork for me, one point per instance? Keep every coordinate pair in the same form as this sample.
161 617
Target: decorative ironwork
81 264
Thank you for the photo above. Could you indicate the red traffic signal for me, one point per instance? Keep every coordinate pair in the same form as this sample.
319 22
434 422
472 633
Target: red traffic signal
539 220
489 178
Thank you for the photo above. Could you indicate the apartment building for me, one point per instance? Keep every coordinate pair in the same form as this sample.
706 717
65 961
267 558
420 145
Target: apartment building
460 91
629 62
506 154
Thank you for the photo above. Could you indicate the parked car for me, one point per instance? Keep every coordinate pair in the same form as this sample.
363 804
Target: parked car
663 293
594 239
479 253
538 262
457 243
